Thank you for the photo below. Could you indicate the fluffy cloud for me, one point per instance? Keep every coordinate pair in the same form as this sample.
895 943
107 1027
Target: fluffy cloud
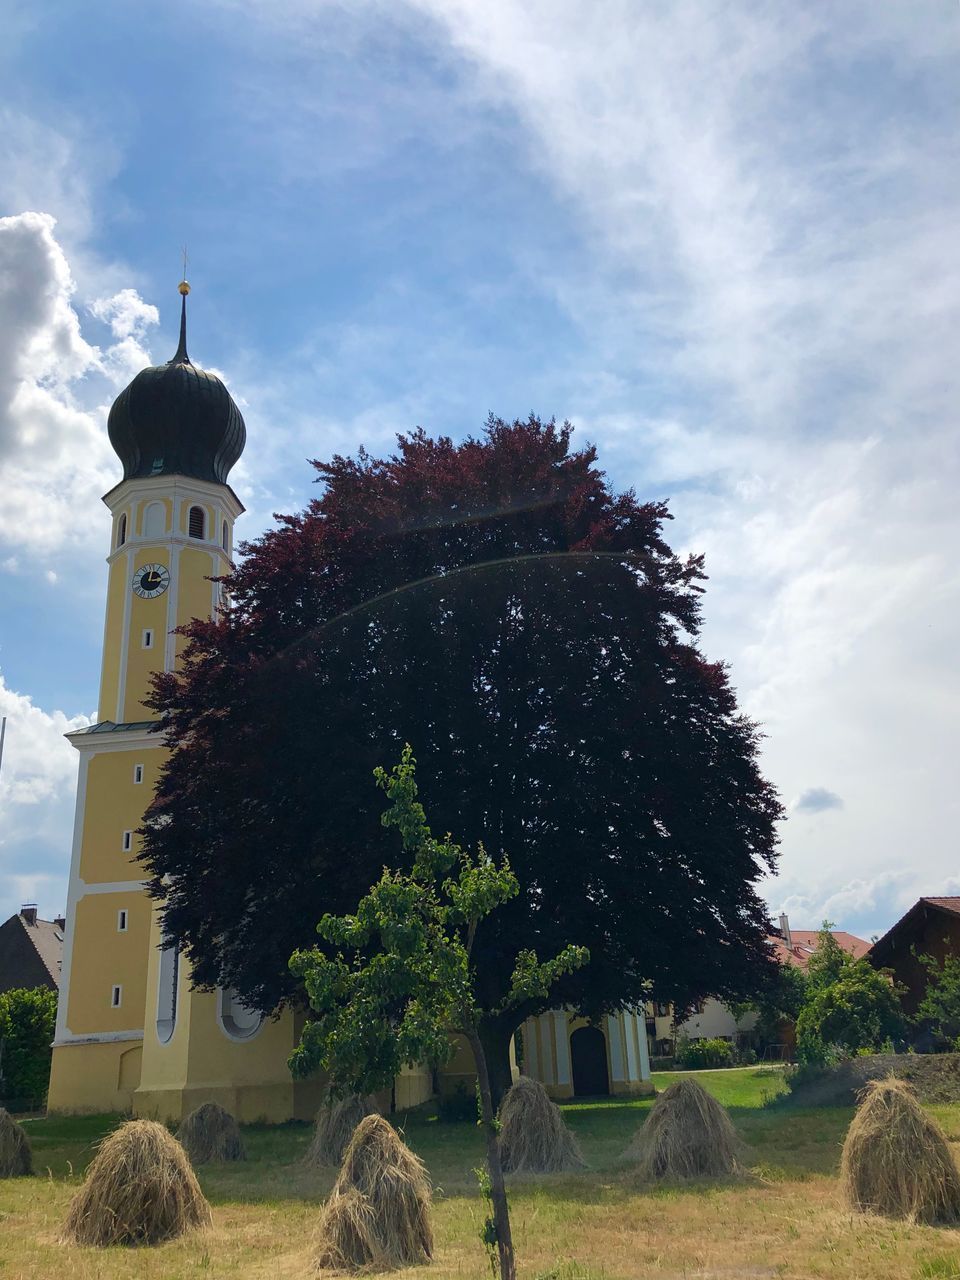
55 386
37 792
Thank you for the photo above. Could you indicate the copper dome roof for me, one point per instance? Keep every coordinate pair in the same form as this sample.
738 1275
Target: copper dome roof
176 419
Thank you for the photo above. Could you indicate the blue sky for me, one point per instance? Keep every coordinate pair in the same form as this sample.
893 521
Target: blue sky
721 240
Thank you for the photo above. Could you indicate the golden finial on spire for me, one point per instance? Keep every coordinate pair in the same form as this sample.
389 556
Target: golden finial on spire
183 287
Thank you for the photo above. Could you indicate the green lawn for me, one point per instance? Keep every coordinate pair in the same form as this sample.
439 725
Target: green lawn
783 1220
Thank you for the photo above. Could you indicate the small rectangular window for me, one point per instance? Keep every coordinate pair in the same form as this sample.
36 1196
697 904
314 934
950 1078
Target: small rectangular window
116 996
121 921
148 639
127 841
138 773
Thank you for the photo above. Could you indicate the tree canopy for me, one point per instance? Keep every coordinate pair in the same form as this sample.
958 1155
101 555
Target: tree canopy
499 605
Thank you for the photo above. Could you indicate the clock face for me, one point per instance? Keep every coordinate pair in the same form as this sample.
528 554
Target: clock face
151 580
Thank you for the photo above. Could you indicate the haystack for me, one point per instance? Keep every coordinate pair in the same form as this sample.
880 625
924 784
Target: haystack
211 1135
686 1135
377 1216
336 1122
533 1135
139 1189
896 1160
16 1160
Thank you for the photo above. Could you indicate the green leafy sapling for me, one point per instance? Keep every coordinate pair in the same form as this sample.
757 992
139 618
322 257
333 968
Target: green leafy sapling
403 976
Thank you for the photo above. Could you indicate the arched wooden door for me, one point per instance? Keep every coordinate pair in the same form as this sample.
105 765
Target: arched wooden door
588 1057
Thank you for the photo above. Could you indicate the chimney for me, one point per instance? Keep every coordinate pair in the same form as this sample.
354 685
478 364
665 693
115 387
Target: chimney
29 912
60 922
785 930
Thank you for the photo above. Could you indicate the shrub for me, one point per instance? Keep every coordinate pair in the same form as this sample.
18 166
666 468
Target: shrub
27 1021
460 1104
859 1010
695 1055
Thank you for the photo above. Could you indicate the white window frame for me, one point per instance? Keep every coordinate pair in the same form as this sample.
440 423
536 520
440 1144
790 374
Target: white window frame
126 841
123 919
146 640
116 996
137 773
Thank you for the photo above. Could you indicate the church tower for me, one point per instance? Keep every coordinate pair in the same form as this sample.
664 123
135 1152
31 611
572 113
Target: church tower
177 432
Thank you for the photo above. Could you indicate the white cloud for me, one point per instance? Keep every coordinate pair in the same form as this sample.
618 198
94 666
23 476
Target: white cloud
55 388
37 792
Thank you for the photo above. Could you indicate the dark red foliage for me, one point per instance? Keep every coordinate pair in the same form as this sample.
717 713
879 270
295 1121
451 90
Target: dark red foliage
532 635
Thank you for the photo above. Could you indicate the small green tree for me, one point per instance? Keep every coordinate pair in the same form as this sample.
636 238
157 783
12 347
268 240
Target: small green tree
413 979
829 961
860 1010
778 1002
28 1017
940 1006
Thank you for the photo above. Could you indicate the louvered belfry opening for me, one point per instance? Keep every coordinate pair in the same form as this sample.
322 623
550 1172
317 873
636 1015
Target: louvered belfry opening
196 525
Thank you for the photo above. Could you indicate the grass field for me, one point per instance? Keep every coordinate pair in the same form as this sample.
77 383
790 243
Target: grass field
785 1220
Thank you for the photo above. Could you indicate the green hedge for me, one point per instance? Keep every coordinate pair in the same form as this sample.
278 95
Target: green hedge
27 1022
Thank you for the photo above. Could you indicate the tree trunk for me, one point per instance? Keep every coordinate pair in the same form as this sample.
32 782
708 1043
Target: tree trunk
496 1049
498 1192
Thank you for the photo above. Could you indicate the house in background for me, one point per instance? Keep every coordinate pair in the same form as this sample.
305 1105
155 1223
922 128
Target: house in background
711 1019
31 951
930 928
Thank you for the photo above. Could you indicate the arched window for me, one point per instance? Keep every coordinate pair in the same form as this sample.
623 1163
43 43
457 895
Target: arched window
155 520
197 522
225 537
167 992
122 530
236 1020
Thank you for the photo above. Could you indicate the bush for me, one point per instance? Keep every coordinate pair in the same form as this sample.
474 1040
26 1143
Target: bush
747 1055
859 1010
696 1055
27 1022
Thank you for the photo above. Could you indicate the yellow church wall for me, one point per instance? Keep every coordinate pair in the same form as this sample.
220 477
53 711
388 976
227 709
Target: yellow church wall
196 590
114 804
144 615
93 1078
113 638
110 957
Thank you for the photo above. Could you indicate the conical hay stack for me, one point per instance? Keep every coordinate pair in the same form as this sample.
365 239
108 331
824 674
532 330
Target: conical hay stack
210 1134
378 1215
533 1135
896 1160
687 1134
336 1122
16 1160
140 1189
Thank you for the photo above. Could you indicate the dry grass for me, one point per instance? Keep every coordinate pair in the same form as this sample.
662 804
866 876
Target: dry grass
336 1121
896 1161
210 1135
687 1134
533 1135
377 1217
140 1189
16 1160
789 1224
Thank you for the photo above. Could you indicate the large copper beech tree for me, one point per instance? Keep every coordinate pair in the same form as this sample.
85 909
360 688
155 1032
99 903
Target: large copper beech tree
530 632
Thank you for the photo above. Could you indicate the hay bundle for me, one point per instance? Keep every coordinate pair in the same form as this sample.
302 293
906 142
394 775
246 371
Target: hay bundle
139 1189
210 1134
336 1122
16 1159
533 1135
896 1160
686 1135
377 1216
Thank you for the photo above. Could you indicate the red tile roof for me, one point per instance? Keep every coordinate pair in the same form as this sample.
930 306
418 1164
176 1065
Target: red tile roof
945 904
805 943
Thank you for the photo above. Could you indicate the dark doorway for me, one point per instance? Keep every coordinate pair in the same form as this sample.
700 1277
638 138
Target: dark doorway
588 1055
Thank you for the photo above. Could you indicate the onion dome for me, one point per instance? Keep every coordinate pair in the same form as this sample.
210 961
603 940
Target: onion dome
176 419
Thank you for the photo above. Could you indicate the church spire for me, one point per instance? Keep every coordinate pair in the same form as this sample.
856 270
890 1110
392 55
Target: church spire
181 356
